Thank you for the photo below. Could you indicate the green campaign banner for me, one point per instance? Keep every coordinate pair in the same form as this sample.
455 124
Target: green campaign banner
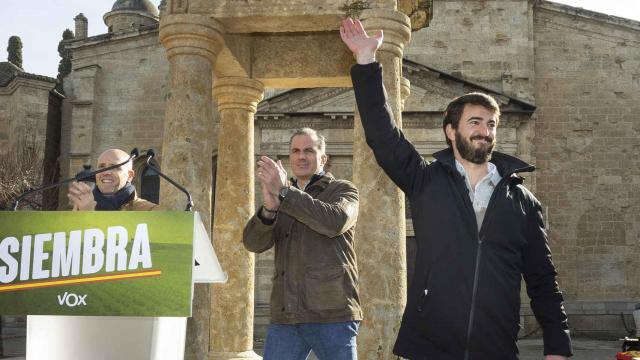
116 263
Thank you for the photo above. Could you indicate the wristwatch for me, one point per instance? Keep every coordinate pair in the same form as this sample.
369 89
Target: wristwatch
283 192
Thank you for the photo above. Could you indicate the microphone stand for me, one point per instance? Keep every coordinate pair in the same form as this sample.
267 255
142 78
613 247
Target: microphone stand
80 177
150 154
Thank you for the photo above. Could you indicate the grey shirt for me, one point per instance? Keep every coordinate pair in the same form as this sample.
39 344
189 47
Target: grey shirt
481 195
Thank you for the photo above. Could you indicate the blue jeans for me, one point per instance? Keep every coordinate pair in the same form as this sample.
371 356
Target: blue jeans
332 341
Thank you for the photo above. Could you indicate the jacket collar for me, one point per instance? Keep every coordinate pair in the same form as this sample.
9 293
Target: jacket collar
506 164
317 181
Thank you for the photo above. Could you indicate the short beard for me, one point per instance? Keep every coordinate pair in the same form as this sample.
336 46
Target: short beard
478 156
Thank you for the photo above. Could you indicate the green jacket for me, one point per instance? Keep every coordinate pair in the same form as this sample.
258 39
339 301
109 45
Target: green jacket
316 273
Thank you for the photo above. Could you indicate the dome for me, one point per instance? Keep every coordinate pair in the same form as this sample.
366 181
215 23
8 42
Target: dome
128 15
145 6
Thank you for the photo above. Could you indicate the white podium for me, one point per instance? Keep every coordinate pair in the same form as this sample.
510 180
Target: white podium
119 337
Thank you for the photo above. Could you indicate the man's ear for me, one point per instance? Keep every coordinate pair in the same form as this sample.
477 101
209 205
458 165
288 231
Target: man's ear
450 132
131 174
324 159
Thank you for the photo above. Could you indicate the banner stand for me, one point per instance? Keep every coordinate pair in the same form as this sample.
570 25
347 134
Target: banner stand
122 337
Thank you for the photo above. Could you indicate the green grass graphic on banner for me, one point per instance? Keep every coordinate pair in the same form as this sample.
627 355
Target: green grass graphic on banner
96 263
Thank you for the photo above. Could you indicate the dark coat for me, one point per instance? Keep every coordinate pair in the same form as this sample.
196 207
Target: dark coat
464 299
316 273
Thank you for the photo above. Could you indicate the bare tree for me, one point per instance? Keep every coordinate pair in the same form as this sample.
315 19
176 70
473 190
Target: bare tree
21 170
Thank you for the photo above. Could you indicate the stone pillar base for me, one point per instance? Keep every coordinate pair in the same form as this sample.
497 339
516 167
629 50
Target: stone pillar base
233 355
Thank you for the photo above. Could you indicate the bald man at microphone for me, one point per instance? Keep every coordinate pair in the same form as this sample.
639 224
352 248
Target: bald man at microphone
114 190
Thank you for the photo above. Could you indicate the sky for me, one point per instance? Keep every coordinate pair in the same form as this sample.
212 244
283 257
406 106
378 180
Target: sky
40 24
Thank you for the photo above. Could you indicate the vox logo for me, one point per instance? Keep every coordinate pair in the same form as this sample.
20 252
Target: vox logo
72 300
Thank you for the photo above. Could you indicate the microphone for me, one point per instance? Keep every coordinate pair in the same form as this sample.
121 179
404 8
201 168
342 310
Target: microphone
84 175
150 154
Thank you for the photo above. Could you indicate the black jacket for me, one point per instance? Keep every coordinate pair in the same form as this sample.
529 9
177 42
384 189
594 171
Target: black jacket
464 299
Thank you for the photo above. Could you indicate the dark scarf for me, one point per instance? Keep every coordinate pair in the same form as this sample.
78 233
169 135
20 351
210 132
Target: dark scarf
113 202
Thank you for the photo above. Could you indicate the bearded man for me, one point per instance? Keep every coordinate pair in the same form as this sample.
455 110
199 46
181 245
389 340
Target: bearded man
478 229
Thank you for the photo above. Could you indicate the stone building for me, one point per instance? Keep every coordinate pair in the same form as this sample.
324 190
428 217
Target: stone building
567 80
24 106
29 133
116 90
578 69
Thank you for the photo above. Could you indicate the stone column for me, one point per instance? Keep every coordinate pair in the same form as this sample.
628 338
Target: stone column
381 233
192 43
405 91
232 303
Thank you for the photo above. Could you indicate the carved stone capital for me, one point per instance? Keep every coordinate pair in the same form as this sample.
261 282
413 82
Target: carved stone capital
234 92
191 34
419 11
395 25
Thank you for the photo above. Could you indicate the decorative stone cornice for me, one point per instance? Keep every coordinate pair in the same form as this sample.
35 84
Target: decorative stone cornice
237 93
395 25
191 34
23 81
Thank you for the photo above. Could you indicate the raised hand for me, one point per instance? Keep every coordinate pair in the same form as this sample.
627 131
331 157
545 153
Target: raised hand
269 201
362 45
273 177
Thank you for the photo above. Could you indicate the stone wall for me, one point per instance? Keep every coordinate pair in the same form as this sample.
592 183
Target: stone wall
115 97
579 68
587 148
24 104
488 42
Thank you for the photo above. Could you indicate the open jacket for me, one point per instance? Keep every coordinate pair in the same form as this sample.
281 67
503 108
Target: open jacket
316 276
138 204
134 203
464 299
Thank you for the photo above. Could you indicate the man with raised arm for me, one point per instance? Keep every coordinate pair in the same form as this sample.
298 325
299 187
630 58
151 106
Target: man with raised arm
478 229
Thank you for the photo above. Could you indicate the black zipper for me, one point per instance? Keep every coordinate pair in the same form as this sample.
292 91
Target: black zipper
476 273
506 178
473 298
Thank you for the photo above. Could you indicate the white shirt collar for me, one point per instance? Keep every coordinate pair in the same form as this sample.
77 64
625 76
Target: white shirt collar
492 173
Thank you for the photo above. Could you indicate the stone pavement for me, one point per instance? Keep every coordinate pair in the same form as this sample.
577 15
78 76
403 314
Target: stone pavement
583 349
530 349
13 337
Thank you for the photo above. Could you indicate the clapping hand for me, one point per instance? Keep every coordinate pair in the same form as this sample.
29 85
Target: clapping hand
81 195
273 177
